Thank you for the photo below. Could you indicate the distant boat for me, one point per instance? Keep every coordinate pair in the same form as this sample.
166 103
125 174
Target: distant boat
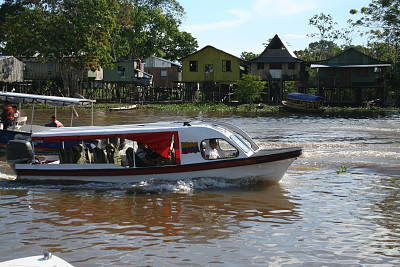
24 130
304 103
124 108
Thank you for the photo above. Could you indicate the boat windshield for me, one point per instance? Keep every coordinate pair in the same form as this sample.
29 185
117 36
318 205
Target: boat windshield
240 143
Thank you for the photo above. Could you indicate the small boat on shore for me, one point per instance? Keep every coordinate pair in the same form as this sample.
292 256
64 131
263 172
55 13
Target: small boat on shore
110 154
303 103
124 108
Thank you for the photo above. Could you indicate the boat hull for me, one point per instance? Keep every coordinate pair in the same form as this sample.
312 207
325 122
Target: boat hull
298 108
268 167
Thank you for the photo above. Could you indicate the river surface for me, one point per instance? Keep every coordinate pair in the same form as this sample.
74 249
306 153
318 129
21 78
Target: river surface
338 204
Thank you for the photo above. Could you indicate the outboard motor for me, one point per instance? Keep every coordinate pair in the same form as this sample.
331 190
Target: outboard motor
19 151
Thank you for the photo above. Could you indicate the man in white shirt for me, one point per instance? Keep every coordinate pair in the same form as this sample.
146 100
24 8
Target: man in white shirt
211 151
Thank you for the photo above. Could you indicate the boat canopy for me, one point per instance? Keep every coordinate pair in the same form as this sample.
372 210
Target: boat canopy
159 141
44 99
304 97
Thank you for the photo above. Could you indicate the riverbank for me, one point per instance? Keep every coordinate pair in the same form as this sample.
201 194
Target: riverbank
231 108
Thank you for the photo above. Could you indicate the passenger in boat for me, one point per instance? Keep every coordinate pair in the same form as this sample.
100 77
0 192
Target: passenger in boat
54 123
211 151
146 156
16 113
7 115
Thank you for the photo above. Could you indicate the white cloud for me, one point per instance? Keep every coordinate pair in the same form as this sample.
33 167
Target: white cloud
214 26
296 36
241 14
256 9
282 7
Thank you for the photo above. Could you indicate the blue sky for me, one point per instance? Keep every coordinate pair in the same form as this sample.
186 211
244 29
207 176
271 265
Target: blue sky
235 26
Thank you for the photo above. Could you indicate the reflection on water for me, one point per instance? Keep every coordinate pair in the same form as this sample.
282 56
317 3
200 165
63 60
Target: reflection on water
115 221
314 217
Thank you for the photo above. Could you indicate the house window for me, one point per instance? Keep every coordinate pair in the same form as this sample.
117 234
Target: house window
275 66
291 66
121 72
330 72
193 66
164 73
346 73
260 66
208 68
362 72
226 65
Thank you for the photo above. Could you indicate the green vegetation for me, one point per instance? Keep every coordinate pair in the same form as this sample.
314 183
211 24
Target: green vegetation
250 88
89 35
211 107
341 169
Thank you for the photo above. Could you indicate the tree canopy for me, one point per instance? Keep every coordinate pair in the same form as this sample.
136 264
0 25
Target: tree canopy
250 88
92 34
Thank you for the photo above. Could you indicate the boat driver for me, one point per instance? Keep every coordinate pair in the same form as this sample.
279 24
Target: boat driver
211 151
146 156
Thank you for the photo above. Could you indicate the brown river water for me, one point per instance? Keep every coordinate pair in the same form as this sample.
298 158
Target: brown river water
314 217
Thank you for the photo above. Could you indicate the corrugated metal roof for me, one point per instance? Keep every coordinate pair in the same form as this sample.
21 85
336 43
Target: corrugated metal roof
2 57
349 65
276 59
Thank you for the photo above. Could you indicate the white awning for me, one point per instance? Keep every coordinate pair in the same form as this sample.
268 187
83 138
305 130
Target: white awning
43 99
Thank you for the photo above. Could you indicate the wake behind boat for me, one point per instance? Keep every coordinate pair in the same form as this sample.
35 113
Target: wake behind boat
182 151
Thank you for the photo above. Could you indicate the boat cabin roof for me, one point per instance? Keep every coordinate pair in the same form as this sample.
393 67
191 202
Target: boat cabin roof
304 97
44 99
183 130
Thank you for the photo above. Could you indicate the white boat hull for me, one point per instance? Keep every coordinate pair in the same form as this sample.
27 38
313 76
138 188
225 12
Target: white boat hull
267 172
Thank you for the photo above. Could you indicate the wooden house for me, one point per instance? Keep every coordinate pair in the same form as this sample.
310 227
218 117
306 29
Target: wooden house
36 70
127 71
277 64
211 73
351 78
167 76
11 69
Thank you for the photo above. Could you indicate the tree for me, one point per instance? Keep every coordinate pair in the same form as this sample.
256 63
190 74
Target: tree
318 50
326 33
75 34
92 34
250 88
150 27
381 20
247 56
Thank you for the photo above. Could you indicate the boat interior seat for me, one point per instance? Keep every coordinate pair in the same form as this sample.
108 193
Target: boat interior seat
113 155
65 156
99 155
130 156
78 157
22 120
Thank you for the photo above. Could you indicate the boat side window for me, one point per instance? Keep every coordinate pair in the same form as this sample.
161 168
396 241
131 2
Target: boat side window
241 143
223 148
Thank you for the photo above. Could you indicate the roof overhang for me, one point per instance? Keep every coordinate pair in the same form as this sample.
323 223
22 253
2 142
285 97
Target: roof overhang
349 65
43 99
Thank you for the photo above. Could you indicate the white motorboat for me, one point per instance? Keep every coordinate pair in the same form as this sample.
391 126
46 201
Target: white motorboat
108 154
